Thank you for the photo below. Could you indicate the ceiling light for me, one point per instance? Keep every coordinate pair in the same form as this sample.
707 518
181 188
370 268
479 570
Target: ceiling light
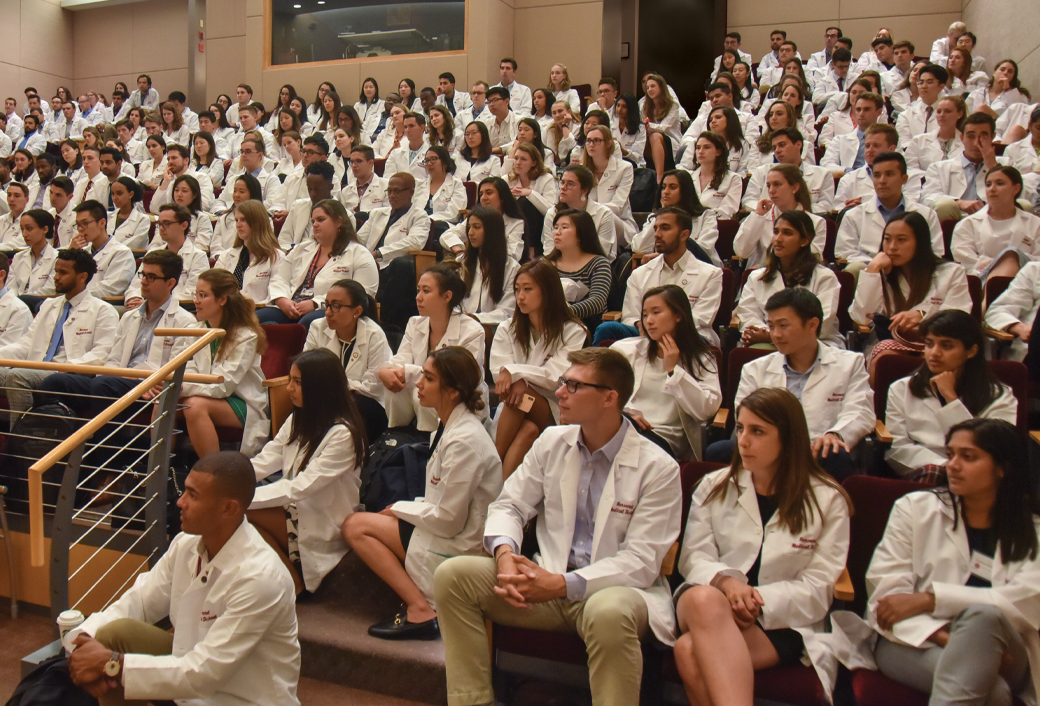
297 6
321 2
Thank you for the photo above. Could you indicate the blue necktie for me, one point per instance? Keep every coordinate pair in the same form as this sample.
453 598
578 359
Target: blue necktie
860 158
971 173
59 332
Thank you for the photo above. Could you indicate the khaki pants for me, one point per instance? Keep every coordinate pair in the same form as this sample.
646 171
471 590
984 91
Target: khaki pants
611 622
854 268
133 637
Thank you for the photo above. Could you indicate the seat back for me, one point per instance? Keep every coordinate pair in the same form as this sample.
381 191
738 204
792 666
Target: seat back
947 230
738 358
846 293
995 286
584 91
690 475
471 194
887 370
975 291
1016 376
872 499
284 342
724 244
729 294
380 164
832 239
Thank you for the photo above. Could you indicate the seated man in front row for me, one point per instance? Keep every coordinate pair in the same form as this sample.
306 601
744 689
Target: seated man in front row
610 505
228 595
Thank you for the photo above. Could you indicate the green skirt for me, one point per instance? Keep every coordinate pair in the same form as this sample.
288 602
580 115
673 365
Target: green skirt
238 406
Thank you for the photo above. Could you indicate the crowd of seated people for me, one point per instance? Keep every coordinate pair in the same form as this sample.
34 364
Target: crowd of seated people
563 357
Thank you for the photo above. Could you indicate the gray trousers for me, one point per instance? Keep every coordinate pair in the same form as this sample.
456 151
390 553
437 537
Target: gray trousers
22 382
965 672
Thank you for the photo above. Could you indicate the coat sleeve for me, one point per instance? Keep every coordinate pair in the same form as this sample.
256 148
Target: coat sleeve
121 270
333 463
755 231
1018 300
754 190
750 308
699 560
846 245
905 450
731 201
805 600
104 337
545 195
415 239
234 368
270 458
856 418
963 245
698 398
548 374
869 298
281 278
932 190
378 353
707 305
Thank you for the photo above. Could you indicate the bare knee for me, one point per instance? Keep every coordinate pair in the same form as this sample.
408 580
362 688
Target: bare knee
656 138
702 606
528 433
355 527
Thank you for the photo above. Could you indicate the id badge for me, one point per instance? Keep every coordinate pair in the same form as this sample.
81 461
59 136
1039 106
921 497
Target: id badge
982 566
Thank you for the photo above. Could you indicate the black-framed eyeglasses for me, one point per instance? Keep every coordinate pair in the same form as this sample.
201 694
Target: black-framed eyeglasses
152 277
575 385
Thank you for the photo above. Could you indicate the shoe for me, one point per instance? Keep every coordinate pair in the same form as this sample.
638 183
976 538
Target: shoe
398 628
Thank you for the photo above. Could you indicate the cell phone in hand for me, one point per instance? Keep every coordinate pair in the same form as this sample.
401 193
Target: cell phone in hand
527 403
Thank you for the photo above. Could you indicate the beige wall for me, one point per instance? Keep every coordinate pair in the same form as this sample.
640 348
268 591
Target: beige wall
921 22
1007 30
553 30
37 47
120 42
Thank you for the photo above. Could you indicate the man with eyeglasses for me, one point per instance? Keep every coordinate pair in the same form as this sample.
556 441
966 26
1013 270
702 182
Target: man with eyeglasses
818 60
252 161
518 95
115 262
611 508
178 163
173 224
397 228
136 346
87 102
74 327
315 150
502 123
919 118
368 190
410 155
479 109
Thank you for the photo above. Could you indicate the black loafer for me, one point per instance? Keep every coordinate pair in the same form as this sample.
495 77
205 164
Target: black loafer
398 628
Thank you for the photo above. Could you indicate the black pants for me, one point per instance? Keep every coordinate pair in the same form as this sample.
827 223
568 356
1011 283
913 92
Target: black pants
396 295
534 221
33 302
649 434
373 415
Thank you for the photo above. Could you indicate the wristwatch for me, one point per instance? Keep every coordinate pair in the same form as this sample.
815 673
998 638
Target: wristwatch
112 666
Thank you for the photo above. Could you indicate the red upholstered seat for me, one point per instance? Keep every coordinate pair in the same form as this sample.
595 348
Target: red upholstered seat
797 685
284 342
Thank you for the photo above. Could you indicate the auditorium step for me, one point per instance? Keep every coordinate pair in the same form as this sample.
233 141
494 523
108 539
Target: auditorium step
337 648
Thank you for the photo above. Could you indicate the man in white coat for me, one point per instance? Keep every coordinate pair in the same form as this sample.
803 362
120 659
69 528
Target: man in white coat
115 261
252 160
846 152
454 101
610 505
15 316
226 592
393 230
831 384
297 227
818 61
787 148
411 155
941 47
519 94
957 187
76 328
920 118
502 122
69 126
178 163
367 191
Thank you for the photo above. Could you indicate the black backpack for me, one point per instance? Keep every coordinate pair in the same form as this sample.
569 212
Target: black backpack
50 685
384 477
34 436
644 190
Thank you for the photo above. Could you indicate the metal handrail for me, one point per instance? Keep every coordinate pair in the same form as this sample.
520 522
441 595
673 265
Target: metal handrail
76 440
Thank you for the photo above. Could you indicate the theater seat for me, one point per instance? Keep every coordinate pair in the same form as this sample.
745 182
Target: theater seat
875 689
797 685
284 342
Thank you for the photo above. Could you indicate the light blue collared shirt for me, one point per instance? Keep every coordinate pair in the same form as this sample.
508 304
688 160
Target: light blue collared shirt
796 380
886 213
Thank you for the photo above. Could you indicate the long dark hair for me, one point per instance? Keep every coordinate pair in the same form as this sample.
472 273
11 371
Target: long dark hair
555 310
359 297
484 151
719 143
196 192
1016 505
588 238
794 494
537 129
633 121
688 200
805 261
977 386
491 257
694 353
207 138
734 136
375 97
65 167
921 267
327 401
505 196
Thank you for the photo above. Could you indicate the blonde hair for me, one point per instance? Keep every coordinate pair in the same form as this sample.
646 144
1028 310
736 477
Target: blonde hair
565 85
608 144
536 155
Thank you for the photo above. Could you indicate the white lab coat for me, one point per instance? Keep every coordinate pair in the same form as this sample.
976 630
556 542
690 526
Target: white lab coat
725 200
195 263
836 397
839 122
975 244
633 143
37 279
375 196
226 651
408 233
149 173
460 100
456 236
88 333
463 477
637 520
11 231
545 191
701 282
859 183
915 121
447 202
181 136
755 235
841 152
601 216
926 149
798 571
115 270
398 161
1021 155
160 350
820 181
133 232
946 179
371 351
403 406
164 196
861 229
925 548
612 190
326 491
271 188
751 305
478 301
668 126
477 171
1016 114
1019 303
540 367
826 86
696 401
256 280
354 263
15 317
243 377
36 143
980 97
949 290
918 426
519 98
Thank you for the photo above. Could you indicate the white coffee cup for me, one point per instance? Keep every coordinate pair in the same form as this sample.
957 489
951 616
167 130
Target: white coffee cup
67 621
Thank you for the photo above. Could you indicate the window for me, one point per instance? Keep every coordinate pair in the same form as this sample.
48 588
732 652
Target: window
304 31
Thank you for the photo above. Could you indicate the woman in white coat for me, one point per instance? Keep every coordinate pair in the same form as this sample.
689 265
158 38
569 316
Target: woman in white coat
240 401
953 385
954 585
1001 92
677 385
488 270
298 287
765 542
613 180
440 324
531 179
126 224
661 118
442 195
1024 154
319 450
999 238
349 330
790 262
150 172
406 542
369 106
492 192
560 85
474 161
717 187
528 356
628 130
786 190
255 256
224 232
